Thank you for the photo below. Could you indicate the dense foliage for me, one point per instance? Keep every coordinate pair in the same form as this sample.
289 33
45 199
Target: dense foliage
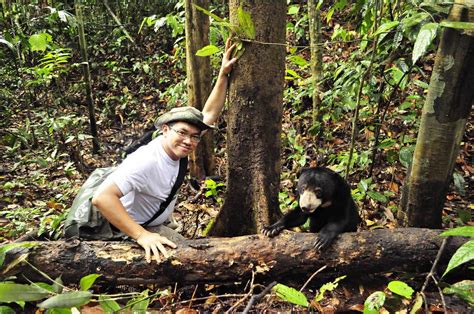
137 63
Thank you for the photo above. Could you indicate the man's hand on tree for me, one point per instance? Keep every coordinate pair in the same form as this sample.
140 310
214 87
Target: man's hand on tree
227 60
154 243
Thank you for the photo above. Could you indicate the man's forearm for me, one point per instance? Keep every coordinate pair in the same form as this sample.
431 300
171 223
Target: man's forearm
216 100
112 209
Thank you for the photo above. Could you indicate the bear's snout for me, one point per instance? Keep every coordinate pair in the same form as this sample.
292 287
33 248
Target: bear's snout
309 202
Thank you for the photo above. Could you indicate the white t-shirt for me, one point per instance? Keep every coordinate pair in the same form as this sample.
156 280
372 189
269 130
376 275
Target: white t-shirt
145 179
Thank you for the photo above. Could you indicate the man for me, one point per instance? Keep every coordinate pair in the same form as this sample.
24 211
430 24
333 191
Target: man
134 191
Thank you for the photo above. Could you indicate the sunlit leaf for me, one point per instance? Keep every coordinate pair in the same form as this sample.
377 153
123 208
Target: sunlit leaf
67 300
61 311
13 292
386 27
464 254
207 51
425 36
291 295
293 9
298 60
374 302
466 231
39 42
108 305
329 286
464 289
401 288
246 23
87 281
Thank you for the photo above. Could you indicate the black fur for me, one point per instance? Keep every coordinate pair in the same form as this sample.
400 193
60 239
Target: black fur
337 214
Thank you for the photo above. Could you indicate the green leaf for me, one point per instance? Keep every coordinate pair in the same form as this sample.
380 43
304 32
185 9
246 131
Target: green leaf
417 304
292 73
207 51
425 36
374 302
67 300
6 310
215 17
139 303
330 286
464 289
7 247
13 292
6 42
401 288
290 295
39 42
87 281
457 25
386 27
108 305
293 9
59 311
459 183
406 156
377 196
298 60
464 254
466 231
246 23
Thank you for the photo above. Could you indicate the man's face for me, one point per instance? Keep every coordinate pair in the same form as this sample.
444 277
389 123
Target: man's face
181 139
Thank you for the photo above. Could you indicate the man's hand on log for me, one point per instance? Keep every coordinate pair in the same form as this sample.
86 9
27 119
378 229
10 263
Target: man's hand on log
152 243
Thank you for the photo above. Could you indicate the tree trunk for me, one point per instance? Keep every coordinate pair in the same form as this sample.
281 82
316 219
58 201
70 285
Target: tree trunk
254 123
445 113
289 257
198 71
87 77
316 58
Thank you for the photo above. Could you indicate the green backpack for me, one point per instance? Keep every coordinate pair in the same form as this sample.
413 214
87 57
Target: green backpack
85 221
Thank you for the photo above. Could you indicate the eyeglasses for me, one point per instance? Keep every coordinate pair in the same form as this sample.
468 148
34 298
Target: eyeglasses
184 135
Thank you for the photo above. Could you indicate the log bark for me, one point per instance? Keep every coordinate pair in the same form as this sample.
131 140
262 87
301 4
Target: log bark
288 257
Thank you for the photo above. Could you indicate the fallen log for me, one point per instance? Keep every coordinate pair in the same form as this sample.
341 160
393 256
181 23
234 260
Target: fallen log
226 260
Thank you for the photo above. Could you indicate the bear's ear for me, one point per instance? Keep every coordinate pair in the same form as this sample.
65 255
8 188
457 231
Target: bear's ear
303 170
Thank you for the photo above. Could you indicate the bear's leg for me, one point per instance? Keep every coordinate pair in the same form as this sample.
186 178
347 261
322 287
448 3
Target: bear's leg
291 219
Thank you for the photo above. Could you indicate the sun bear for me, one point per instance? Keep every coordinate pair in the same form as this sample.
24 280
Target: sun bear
325 198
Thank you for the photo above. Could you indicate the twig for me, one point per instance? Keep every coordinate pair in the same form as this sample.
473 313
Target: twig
192 297
257 297
431 275
116 19
244 297
312 276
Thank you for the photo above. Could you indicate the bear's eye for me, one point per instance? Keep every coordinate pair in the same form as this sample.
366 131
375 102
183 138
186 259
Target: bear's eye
318 192
300 189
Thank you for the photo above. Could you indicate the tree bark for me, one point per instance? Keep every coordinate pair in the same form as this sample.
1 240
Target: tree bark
87 77
445 113
289 257
198 72
254 123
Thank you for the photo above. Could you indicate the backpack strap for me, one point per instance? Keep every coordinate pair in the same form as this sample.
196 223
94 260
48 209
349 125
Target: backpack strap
183 165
